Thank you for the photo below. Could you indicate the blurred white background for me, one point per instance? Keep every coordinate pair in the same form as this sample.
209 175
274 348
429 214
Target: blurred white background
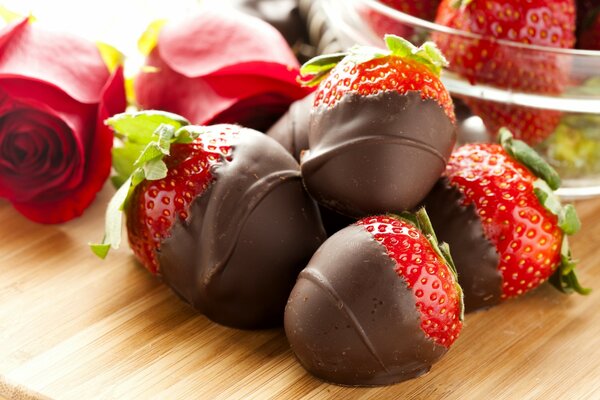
116 22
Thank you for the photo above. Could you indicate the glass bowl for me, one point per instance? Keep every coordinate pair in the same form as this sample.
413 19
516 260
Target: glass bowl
569 113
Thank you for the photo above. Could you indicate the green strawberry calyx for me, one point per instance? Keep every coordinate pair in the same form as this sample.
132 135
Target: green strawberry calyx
564 279
421 221
147 137
428 54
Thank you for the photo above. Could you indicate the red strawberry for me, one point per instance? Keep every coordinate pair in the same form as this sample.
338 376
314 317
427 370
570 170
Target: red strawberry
368 72
508 191
535 22
157 204
382 123
219 213
383 24
426 271
377 304
424 9
589 31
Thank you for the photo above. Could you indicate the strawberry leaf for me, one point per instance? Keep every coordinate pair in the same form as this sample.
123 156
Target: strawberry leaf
123 158
321 63
101 250
159 148
427 54
547 197
568 221
148 165
316 69
117 180
113 222
140 127
565 279
155 169
527 156
151 152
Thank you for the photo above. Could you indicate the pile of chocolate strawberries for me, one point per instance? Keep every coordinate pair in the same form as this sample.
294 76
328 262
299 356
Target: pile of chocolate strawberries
233 221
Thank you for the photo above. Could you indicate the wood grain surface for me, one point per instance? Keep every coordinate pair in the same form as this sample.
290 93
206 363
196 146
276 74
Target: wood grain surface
74 327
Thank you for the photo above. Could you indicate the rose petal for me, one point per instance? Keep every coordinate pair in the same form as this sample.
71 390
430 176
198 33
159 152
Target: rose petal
201 99
261 69
80 118
97 163
258 112
243 86
76 67
167 90
220 38
38 154
10 30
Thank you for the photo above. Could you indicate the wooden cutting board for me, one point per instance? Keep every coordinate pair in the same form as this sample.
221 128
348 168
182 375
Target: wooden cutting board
74 327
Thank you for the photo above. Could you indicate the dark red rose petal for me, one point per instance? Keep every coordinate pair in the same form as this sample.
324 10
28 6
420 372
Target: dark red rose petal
70 204
259 112
37 153
79 118
244 86
219 38
76 66
201 99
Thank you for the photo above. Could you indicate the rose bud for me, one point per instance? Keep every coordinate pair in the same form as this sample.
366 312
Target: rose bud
56 90
220 66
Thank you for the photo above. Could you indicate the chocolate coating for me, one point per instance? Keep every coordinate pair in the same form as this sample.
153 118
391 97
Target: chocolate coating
247 238
333 221
291 130
352 320
473 253
284 15
374 154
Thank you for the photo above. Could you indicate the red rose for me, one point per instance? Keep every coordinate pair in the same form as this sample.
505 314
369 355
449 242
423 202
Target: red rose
221 66
55 92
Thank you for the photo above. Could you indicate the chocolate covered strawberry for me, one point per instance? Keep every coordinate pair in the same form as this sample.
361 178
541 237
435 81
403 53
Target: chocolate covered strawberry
506 228
377 304
219 213
381 130
488 61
